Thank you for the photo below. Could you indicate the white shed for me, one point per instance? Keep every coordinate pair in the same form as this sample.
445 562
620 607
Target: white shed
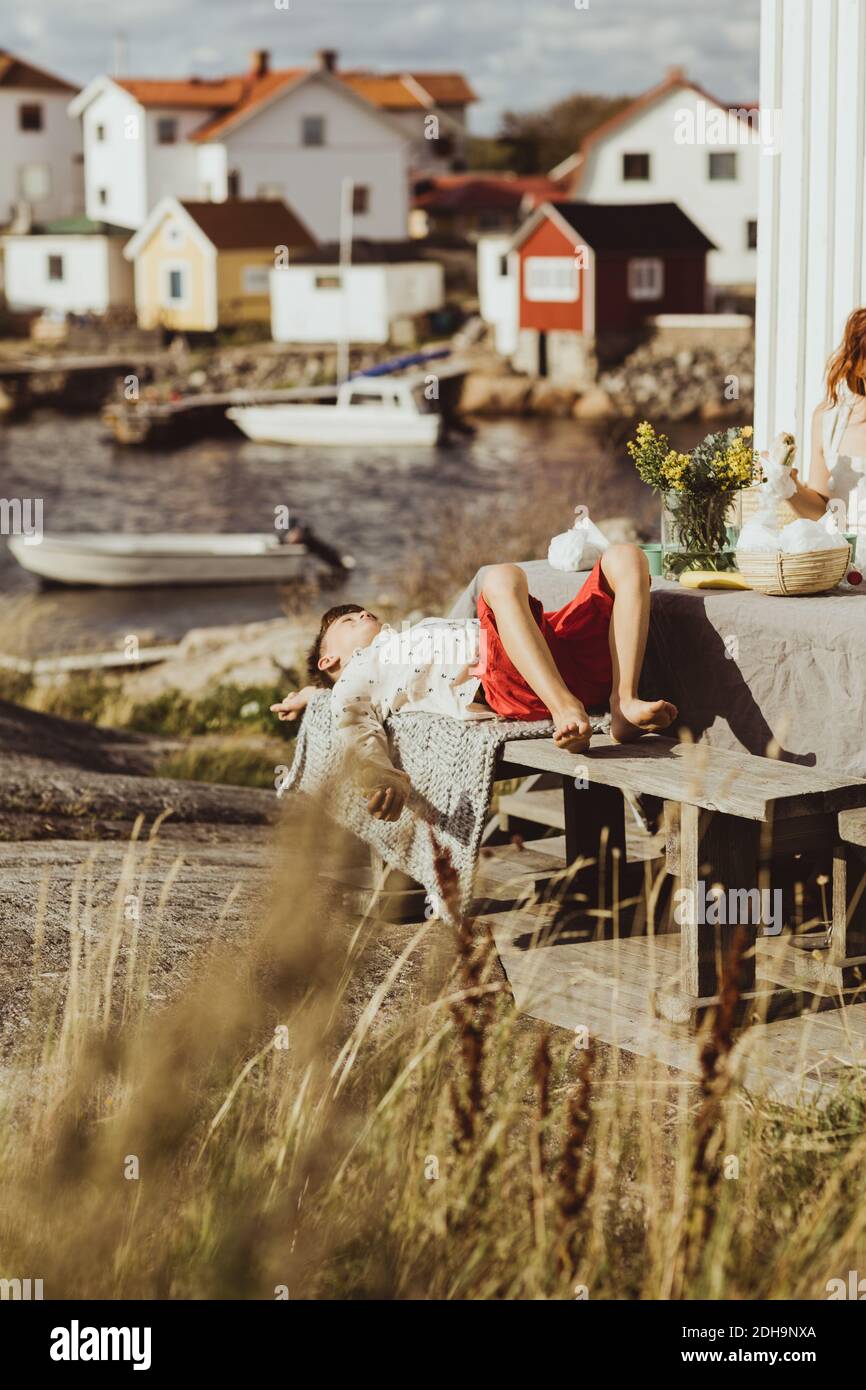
325 303
498 295
68 272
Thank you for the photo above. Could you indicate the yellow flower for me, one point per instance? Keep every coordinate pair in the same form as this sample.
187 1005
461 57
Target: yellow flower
747 431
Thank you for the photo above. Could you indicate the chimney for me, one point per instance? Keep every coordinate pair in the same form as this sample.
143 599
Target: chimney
260 62
327 59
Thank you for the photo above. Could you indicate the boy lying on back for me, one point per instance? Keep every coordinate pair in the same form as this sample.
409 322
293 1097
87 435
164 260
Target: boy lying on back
515 661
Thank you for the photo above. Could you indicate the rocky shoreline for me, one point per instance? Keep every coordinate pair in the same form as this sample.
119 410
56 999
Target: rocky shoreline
658 379
655 381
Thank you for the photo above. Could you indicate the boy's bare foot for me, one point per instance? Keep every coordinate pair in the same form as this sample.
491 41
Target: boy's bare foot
630 719
572 729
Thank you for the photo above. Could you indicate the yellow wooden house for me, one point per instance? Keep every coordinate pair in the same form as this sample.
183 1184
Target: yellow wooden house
203 266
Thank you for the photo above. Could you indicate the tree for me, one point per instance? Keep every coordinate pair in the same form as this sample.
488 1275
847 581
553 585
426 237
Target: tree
539 140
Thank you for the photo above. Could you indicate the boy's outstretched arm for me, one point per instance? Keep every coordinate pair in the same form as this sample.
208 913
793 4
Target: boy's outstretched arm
361 730
293 705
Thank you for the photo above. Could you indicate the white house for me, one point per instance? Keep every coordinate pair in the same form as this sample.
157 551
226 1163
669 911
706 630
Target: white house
324 302
72 266
41 169
294 134
677 143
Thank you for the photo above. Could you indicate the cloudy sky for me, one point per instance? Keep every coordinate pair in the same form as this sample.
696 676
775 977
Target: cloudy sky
520 54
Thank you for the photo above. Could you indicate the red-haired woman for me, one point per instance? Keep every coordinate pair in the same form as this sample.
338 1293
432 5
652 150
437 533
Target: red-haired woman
839 436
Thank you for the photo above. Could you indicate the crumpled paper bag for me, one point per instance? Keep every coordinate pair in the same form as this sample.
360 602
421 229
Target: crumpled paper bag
579 548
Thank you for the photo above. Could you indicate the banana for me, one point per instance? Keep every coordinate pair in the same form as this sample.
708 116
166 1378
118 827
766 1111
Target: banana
712 579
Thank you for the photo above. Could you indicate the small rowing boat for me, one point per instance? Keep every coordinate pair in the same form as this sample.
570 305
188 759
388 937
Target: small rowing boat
116 560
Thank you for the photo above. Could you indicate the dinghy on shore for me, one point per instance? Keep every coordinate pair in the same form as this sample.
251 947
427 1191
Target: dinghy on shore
115 560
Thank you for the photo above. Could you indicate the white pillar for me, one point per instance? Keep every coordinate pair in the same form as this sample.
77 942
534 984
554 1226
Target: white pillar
811 242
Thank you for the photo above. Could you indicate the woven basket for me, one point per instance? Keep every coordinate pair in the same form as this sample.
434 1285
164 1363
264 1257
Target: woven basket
813 572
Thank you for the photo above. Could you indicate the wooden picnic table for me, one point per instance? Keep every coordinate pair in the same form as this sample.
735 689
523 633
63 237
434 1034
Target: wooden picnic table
746 670
727 814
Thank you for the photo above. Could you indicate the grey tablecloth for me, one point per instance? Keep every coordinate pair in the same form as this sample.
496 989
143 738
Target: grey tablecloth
745 669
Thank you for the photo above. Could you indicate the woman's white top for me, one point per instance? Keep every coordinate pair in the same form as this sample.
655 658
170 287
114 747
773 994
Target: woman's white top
847 471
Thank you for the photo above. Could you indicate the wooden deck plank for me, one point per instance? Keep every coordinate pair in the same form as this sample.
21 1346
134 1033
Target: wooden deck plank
606 987
716 779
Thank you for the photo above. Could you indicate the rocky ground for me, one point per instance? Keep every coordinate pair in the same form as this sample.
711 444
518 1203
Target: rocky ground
69 800
656 381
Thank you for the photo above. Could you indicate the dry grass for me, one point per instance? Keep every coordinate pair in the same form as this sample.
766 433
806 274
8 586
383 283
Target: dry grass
319 1117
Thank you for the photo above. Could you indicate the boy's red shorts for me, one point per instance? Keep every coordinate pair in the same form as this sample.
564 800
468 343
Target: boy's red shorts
577 636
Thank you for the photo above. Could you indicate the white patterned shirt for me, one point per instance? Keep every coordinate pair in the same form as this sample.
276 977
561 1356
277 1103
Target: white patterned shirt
434 666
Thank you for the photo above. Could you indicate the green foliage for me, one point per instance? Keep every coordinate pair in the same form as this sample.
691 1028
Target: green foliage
15 686
82 695
539 140
232 764
224 710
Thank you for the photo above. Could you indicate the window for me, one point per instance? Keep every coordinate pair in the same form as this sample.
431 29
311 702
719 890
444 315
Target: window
551 279
751 234
503 265
166 130
635 167
233 184
102 196
173 233
30 116
328 282
360 198
646 278
272 191
444 146
55 267
100 134
176 285
34 182
723 164
313 130
254 279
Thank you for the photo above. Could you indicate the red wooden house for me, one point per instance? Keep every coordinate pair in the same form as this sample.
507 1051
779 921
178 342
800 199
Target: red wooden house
590 270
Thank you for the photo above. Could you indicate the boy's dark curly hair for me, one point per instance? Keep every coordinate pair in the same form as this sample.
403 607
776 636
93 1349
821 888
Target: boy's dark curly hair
321 677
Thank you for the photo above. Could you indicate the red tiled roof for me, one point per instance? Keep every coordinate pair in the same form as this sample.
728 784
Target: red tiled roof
188 91
231 97
471 191
242 224
446 88
14 72
392 92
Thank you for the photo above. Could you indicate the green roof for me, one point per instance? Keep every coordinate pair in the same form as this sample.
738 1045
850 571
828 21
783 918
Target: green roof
81 226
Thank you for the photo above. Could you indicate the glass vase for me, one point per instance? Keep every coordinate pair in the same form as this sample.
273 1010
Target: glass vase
699 532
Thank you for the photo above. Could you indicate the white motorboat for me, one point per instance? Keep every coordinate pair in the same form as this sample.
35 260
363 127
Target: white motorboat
365 410
115 560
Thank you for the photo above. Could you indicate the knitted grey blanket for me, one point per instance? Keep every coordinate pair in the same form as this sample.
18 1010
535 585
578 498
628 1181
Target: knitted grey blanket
451 765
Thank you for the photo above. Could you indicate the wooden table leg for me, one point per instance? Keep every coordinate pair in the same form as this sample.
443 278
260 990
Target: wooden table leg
595 832
843 967
711 849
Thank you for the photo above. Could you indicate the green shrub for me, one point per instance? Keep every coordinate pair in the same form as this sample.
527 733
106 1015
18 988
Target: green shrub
227 709
235 765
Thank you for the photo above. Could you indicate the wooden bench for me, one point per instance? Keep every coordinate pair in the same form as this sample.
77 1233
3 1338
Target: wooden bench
727 814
